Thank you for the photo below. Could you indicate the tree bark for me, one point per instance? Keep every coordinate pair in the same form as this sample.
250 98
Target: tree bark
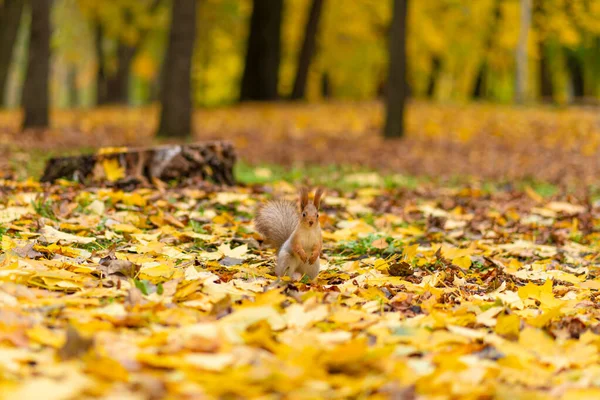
35 90
261 70
176 96
546 88
396 93
10 17
522 69
208 160
307 51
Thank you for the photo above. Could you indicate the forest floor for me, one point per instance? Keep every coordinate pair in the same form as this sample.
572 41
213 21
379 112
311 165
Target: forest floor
425 291
463 288
486 142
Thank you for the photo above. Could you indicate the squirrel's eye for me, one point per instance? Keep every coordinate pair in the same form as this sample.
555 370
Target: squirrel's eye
304 214
317 215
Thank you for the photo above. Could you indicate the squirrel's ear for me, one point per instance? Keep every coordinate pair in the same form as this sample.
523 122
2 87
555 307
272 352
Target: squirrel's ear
303 197
318 196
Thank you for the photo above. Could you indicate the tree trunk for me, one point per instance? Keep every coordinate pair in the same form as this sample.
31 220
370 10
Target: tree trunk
10 17
35 90
546 89
101 73
480 82
576 75
261 70
115 88
522 70
117 85
325 85
396 93
207 160
433 78
480 88
307 51
176 96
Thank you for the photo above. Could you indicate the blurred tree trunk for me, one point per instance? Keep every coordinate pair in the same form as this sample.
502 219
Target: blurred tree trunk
546 89
100 57
522 70
575 74
35 90
10 17
325 85
115 87
112 89
308 50
396 92
436 68
261 69
479 89
176 90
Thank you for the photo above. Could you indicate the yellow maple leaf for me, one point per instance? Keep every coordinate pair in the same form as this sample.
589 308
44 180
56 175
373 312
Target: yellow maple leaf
508 325
113 170
541 293
126 228
463 262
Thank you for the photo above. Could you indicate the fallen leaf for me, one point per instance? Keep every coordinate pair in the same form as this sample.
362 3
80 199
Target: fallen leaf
52 235
75 344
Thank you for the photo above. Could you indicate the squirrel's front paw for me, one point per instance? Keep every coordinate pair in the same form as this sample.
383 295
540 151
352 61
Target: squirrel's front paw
312 259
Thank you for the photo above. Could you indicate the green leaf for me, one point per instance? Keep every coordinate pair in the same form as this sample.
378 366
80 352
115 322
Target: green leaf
142 285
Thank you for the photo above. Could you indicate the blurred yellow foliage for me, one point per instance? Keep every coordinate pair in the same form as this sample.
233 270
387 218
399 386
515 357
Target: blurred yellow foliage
451 43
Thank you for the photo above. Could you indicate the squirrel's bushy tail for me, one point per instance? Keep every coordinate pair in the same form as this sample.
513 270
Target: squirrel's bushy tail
276 221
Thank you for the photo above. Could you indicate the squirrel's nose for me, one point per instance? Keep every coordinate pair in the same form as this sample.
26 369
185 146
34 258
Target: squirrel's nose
311 223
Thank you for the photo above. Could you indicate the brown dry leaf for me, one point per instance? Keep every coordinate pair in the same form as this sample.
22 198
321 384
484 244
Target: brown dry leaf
75 344
123 267
380 243
401 268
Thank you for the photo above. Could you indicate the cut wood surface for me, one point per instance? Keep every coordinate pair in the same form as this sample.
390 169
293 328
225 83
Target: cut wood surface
209 160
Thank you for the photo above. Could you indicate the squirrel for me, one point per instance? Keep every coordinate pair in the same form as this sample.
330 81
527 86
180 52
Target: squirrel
296 234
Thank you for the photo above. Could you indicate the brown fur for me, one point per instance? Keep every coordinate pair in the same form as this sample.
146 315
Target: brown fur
276 221
317 199
303 198
297 246
316 252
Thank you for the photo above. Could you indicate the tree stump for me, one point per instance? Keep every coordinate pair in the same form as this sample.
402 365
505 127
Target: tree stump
208 160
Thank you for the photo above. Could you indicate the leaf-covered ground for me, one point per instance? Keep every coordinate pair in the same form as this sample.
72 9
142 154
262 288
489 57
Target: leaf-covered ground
557 145
424 293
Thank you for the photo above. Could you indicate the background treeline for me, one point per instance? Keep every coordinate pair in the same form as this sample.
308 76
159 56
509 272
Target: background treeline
182 53
111 51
